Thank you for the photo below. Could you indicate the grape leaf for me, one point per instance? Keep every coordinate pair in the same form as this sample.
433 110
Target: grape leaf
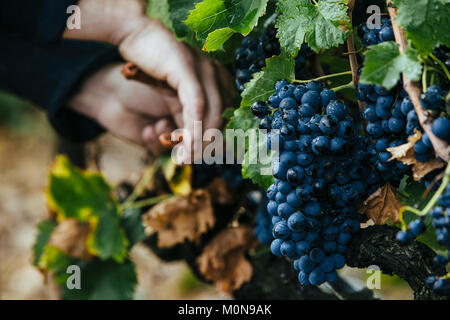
426 23
215 21
244 119
323 25
86 196
108 239
405 154
253 168
413 193
263 83
382 205
172 13
181 218
45 229
384 64
223 259
70 237
131 221
160 10
105 280
54 259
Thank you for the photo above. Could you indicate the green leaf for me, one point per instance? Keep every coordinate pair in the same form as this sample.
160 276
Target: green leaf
109 239
172 13
160 10
45 229
323 25
426 23
104 280
217 38
384 65
54 259
252 168
259 173
131 221
244 119
215 21
86 196
263 83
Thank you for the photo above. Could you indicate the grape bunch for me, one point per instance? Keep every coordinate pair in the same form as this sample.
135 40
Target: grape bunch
443 54
390 119
433 100
263 228
203 174
441 222
251 57
375 36
320 176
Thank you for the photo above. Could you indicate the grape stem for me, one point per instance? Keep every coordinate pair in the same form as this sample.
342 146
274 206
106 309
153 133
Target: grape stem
424 78
441 148
147 176
146 202
352 52
325 77
430 205
349 85
439 62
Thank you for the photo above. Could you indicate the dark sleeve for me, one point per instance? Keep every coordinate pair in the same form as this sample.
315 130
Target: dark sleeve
39 21
48 77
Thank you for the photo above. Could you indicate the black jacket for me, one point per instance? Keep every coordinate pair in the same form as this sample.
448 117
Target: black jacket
35 63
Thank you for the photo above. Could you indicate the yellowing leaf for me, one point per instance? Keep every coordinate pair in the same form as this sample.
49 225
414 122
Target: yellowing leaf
382 205
178 177
181 218
70 237
86 197
223 259
405 154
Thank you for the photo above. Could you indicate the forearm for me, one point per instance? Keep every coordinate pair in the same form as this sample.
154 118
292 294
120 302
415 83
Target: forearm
108 20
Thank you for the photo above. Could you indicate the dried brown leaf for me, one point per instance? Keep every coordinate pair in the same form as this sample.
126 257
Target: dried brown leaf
223 259
382 205
70 236
181 218
219 191
405 154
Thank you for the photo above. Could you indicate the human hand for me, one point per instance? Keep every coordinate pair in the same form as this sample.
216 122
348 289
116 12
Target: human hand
128 109
148 44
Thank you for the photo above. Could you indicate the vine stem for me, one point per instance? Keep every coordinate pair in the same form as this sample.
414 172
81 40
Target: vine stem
349 85
430 205
146 202
441 148
424 78
325 77
147 176
352 52
439 62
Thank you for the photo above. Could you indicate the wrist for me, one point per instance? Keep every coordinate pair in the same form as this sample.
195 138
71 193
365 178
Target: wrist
108 20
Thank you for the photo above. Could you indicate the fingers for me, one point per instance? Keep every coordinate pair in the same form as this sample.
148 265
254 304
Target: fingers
155 50
176 110
213 115
122 122
151 133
